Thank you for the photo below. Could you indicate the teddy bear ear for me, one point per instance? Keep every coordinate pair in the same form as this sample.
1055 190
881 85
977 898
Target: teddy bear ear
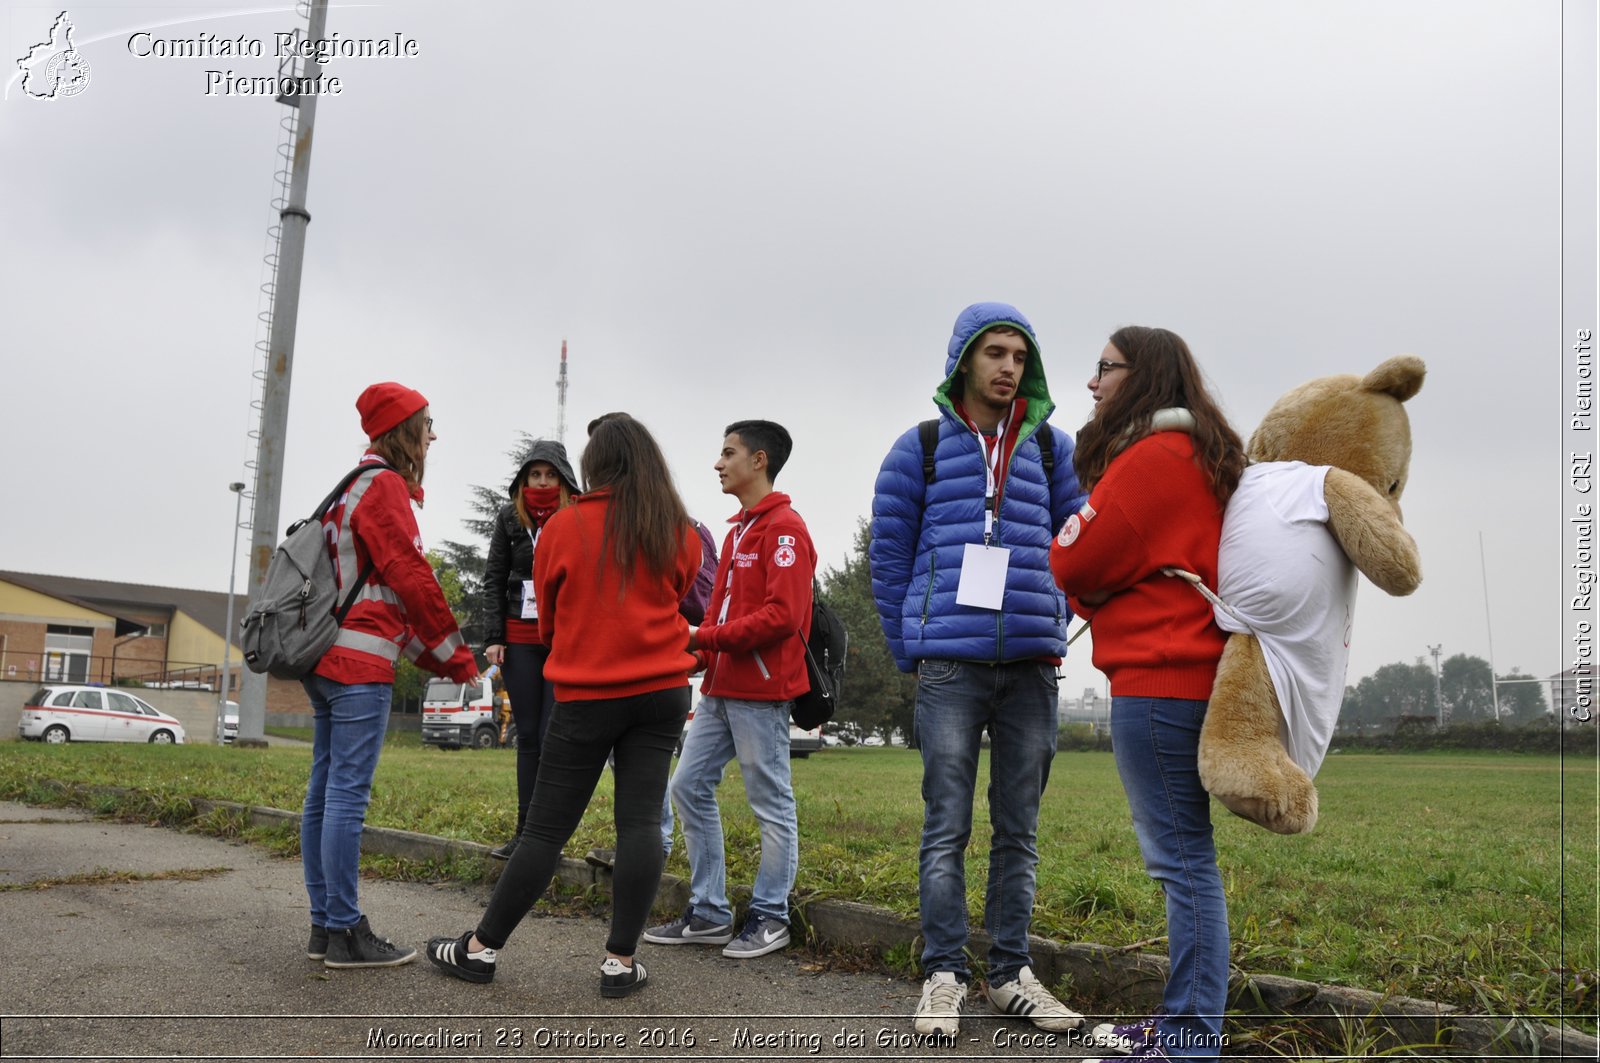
1401 376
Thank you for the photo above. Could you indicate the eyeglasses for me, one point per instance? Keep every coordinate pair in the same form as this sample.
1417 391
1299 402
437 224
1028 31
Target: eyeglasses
428 422
1101 366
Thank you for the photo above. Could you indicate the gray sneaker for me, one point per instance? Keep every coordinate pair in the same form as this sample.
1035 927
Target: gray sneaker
759 937
690 929
360 947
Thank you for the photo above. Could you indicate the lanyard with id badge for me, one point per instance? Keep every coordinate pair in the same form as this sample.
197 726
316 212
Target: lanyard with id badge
530 608
983 565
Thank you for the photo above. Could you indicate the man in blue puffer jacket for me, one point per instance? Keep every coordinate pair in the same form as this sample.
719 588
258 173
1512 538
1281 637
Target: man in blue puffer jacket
961 573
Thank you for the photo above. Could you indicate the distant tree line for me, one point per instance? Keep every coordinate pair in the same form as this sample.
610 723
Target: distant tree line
1403 696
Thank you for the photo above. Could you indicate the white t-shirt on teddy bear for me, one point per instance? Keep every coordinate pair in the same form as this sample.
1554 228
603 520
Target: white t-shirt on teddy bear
1284 573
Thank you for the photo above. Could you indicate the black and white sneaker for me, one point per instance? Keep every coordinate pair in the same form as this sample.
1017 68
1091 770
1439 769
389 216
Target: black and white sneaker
759 937
450 954
317 947
618 980
360 947
690 929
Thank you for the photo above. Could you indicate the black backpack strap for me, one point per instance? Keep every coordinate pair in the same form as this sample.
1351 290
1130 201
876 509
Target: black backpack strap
929 432
1047 452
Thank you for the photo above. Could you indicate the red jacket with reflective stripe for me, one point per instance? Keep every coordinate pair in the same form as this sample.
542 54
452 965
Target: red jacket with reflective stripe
401 608
756 652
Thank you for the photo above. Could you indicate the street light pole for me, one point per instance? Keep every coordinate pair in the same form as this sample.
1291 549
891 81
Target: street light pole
227 628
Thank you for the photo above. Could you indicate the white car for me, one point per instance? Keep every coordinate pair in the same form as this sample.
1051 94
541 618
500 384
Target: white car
58 714
230 723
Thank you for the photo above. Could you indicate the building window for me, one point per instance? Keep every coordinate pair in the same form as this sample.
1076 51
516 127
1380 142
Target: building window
156 631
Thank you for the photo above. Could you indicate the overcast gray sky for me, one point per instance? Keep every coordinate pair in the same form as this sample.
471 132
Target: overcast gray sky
753 209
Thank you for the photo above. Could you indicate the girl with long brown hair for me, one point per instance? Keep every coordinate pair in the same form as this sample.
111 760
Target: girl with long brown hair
609 575
1160 462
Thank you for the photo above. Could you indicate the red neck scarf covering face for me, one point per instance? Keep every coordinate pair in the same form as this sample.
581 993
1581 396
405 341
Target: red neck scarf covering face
541 502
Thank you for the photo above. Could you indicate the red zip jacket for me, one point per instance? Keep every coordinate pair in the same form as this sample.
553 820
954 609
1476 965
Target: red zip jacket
1155 636
400 609
607 641
760 609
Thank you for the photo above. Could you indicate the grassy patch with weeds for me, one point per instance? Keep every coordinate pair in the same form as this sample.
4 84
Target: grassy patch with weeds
1438 875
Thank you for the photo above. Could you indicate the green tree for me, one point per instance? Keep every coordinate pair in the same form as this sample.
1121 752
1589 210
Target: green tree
1522 700
1393 691
409 680
877 696
1464 683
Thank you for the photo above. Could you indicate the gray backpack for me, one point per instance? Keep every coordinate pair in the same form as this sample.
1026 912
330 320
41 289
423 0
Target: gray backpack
293 621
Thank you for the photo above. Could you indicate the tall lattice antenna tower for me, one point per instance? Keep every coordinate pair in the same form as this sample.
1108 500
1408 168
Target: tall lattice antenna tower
561 398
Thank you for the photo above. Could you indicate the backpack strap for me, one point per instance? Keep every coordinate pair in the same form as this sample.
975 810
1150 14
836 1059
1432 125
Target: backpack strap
929 432
322 511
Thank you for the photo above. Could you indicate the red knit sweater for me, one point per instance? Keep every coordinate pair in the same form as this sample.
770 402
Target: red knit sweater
607 641
1155 636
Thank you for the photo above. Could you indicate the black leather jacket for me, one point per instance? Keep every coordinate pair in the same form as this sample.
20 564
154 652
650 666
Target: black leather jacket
510 562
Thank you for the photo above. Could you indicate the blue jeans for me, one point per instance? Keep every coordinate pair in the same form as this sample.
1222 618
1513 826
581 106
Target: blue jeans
1155 742
757 732
347 727
956 702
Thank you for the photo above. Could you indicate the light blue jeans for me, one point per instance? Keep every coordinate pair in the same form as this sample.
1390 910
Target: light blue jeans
757 732
956 702
347 727
1156 741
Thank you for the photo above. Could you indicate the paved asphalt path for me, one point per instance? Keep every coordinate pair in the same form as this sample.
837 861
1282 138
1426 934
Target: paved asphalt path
213 967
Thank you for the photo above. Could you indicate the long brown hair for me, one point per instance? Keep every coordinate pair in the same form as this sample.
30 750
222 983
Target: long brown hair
645 519
405 448
1162 373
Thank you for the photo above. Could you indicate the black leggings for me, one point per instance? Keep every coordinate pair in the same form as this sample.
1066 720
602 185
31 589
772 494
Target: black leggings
641 731
533 701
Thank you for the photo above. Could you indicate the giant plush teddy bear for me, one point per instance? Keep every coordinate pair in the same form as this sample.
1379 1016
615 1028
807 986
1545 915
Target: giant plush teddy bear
1320 501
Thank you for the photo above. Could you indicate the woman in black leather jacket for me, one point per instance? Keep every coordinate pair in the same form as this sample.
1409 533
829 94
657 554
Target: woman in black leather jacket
542 485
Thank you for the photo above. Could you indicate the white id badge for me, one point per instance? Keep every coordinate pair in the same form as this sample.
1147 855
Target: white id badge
530 609
983 576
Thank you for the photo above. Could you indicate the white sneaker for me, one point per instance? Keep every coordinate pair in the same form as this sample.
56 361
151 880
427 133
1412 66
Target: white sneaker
939 1010
1028 998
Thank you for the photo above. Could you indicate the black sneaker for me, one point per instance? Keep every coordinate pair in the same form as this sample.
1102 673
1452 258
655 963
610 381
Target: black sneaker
317 947
505 851
617 980
450 954
360 947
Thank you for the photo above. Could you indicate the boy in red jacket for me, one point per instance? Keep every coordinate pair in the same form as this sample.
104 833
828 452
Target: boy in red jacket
753 646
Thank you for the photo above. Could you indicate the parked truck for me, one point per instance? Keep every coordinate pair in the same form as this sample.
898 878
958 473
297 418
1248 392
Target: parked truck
456 715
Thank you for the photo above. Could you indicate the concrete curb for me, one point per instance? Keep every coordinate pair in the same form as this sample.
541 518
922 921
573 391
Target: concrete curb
1128 981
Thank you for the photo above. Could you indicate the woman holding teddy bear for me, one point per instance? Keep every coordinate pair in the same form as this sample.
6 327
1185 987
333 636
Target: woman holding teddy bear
1159 461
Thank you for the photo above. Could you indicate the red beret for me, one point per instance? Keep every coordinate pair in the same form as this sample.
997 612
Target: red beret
383 406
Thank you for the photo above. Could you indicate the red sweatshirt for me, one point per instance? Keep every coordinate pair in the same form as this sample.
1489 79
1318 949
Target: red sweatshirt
401 608
607 641
760 609
1155 636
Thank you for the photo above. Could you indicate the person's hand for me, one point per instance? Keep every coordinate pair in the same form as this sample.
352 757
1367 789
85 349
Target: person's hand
494 654
694 639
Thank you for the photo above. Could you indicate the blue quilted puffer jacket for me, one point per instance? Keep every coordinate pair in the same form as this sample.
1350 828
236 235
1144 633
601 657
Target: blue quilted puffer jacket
919 530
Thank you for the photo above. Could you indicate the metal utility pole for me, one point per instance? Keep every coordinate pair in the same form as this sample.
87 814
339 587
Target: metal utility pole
294 218
1438 699
1494 677
227 628
561 398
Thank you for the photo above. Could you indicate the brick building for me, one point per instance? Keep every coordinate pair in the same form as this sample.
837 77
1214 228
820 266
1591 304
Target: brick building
72 630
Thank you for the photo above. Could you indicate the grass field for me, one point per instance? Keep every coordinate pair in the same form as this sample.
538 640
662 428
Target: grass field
1465 878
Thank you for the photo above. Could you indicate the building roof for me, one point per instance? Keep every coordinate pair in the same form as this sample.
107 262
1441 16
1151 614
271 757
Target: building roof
207 608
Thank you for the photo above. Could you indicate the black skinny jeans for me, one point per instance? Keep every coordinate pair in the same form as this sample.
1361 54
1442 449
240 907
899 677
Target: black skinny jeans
641 731
533 702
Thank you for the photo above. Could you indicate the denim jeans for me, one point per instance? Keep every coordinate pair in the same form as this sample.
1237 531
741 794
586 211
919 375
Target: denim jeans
639 732
347 726
757 732
1156 741
956 702
533 702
